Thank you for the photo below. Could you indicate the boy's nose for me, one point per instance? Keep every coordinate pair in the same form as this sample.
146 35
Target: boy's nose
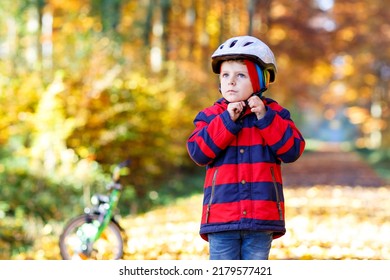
231 81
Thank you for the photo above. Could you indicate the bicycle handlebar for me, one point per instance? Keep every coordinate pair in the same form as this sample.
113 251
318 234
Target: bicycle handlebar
117 171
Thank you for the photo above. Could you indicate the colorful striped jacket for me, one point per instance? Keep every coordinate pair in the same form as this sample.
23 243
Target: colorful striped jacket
243 187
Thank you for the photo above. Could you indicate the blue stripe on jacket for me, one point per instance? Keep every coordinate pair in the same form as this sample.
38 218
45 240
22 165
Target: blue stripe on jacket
226 193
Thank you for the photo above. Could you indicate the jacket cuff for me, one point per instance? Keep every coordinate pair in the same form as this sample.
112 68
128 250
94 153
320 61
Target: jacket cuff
230 125
267 119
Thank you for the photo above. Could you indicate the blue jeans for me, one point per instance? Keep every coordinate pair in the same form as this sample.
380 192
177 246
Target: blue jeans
240 245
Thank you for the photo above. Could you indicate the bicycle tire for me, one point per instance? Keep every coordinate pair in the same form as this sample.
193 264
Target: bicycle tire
108 247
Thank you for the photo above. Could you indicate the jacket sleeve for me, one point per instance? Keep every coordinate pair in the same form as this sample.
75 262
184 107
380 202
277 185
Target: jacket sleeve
212 134
281 134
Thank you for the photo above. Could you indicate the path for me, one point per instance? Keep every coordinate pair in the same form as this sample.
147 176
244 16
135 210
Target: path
332 167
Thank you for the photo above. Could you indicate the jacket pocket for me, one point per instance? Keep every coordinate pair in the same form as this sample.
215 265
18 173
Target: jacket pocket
211 196
278 203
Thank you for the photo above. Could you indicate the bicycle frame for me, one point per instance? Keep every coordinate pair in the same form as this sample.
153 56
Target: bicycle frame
108 215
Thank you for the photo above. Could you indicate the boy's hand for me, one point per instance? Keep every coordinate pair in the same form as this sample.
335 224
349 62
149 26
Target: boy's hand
257 106
235 109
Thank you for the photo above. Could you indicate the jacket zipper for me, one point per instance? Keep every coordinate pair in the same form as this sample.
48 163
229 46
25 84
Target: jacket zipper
277 194
211 196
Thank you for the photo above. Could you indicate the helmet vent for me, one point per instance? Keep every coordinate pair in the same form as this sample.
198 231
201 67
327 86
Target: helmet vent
248 43
233 43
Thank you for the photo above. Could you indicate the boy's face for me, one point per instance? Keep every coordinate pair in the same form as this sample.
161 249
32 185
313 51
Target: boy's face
235 81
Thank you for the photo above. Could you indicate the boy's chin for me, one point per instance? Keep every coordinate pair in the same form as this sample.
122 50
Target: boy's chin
232 99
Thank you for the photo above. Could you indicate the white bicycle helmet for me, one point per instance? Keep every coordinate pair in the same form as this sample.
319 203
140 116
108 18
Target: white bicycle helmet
245 47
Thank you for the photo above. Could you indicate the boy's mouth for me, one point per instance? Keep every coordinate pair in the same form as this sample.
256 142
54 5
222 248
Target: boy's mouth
231 91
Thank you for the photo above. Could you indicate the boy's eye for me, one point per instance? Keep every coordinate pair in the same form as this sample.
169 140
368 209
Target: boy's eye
240 75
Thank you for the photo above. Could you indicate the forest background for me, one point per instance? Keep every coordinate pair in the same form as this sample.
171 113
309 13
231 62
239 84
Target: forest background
85 84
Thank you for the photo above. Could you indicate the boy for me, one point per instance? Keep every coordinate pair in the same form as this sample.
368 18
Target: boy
242 140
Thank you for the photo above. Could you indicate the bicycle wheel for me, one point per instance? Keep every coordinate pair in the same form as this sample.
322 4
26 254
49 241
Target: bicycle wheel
73 240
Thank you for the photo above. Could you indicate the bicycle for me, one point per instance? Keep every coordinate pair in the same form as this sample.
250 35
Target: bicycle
96 234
